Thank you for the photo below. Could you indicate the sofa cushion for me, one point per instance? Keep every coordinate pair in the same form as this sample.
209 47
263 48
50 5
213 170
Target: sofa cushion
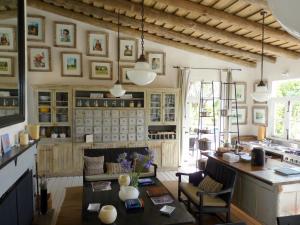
115 176
93 165
191 192
208 184
113 168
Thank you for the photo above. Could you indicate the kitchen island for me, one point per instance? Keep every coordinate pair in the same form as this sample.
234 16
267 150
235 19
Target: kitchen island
262 193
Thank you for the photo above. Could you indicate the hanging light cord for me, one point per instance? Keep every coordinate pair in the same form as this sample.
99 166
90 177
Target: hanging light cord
142 26
263 13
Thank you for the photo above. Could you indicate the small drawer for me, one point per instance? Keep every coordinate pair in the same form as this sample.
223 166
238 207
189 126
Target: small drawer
106 122
97 138
115 137
97 122
140 129
131 137
79 122
79 130
88 122
115 122
115 130
140 121
79 139
107 113
106 130
97 114
88 130
132 121
123 121
131 129
124 129
140 137
115 114
88 113
123 137
123 113
79 113
140 113
132 113
97 130
106 137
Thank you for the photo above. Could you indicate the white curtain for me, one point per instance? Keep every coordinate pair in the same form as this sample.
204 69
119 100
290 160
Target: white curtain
184 81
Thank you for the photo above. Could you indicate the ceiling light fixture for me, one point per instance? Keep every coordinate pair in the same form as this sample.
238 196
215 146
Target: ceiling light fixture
141 74
117 90
261 93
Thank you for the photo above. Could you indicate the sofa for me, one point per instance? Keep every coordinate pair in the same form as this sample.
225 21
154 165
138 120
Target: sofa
111 155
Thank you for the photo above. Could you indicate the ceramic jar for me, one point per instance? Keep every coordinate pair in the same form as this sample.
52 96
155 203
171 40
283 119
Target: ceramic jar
128 192
108 214
24 138
124 180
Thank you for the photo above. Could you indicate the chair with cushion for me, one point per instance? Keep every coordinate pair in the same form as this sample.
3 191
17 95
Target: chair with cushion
209 190
288 220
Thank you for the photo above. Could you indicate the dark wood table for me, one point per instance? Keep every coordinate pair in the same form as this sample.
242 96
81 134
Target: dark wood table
149 216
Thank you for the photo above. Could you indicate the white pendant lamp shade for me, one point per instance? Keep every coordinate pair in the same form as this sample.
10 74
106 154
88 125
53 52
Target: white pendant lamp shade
141 74
117 90
261 93
287 14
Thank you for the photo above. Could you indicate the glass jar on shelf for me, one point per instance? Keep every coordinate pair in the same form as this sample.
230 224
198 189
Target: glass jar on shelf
131 104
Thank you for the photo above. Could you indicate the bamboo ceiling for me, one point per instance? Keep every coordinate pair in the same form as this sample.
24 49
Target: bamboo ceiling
229 30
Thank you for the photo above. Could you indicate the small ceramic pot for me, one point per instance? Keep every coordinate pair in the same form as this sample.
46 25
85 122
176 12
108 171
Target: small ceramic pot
128 192
108 214
124 180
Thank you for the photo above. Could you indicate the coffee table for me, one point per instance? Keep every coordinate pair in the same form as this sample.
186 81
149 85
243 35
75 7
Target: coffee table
149 216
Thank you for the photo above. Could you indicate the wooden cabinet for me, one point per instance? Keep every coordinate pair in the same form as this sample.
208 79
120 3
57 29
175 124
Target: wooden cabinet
45 159
78 150
62 159
156 147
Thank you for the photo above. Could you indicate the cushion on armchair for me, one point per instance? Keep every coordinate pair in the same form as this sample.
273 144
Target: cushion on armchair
208 184
93 165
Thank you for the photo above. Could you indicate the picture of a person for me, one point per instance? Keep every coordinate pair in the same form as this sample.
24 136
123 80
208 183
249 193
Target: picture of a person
155 63
4 39
97 46
65 35
128 50
39 60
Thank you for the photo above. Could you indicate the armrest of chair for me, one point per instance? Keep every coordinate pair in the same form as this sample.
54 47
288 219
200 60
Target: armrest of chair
194 178
213 194
155 168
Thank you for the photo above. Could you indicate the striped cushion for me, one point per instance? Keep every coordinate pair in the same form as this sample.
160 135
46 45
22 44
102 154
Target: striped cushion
93 165
113 168
210 185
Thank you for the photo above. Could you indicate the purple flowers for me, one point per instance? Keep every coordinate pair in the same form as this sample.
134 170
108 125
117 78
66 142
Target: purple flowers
125 163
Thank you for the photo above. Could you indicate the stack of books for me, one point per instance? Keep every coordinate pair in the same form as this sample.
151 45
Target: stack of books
159 195
101 186
145 181
134 204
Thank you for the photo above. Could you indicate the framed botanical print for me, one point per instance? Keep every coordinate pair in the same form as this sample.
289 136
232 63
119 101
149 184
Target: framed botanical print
260 115
6 66
39 58
241 91
128 50
242 115
123 71
254 89
97 43
65 34
71 64
7 38
101 70
157 61
35 28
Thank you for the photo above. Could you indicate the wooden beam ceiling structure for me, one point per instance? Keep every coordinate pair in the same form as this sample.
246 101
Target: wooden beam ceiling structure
225 29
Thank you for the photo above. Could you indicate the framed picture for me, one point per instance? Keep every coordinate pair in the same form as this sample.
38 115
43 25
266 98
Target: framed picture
71 64
254 89
65 34
101 70
39 58
35 28
6 66
242 115
97 43
7 38
123 71
241 90
5 143
157 61
128 50
260 115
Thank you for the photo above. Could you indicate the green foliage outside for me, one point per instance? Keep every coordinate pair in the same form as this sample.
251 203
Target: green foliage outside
288 89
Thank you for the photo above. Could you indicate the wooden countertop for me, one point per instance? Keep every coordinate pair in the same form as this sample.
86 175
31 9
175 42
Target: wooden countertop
265 174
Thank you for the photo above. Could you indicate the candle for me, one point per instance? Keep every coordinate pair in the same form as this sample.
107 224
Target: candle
24 139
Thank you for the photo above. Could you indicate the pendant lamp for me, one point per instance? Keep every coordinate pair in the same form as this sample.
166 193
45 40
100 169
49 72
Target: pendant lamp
287 14
261 93
142 73
117 90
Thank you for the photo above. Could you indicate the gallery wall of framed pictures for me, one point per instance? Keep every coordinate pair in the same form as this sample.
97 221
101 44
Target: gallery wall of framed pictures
242 108
95 62
259 109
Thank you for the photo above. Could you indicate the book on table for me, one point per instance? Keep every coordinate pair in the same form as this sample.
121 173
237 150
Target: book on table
94 207
164 199
145 181
167 210
133 204
157 191
101 186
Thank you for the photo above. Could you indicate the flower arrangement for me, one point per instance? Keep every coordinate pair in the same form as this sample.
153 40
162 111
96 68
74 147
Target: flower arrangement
136 165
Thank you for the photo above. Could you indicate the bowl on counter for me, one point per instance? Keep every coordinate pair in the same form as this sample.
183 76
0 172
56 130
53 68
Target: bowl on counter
44 109
44 98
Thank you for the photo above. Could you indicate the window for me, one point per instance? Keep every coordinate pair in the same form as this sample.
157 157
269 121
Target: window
285 109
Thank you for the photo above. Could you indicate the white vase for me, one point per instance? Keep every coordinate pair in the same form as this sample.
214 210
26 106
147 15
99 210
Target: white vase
108 214
128 192
124 180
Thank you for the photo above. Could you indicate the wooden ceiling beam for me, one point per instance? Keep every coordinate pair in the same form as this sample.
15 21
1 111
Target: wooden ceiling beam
232 19
158 30
133 32
184 23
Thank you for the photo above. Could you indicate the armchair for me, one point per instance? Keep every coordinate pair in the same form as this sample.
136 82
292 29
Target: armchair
209 202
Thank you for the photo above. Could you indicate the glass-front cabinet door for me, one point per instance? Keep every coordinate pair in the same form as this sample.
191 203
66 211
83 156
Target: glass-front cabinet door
45 107
169 108
155 108
61 105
